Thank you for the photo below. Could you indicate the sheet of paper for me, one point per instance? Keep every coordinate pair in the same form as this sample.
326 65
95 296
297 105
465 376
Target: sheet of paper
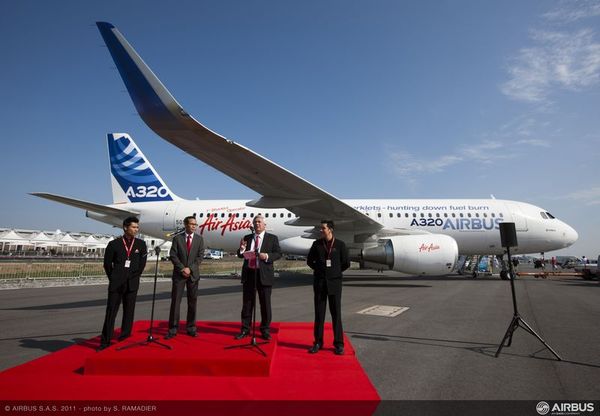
249 255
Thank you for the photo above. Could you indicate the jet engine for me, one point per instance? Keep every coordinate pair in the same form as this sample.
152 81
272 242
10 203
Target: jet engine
424 254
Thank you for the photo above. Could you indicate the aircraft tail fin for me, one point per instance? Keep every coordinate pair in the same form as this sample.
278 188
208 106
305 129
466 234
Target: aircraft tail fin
132 176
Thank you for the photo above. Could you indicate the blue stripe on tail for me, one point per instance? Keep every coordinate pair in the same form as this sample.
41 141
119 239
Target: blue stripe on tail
133 172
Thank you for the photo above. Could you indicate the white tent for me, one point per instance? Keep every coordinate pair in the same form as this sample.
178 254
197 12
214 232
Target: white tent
12 241
41 239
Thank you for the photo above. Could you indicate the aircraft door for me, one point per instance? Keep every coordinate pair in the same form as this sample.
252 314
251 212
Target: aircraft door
170 216
518 216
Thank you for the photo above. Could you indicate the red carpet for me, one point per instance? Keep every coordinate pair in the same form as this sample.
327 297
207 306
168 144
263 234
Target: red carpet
198 376
206 355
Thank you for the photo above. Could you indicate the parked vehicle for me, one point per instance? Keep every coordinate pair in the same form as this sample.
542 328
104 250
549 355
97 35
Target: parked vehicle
213 254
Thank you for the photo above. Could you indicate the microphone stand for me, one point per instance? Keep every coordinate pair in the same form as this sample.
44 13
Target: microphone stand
253 343
517 321
150 339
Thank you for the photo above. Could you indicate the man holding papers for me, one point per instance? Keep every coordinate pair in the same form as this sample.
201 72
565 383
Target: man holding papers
259 250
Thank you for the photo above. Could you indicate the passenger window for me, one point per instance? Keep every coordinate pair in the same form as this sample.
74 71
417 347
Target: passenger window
429 215
453 215
469 215
461 215
422 215
379 214
391 215
222 215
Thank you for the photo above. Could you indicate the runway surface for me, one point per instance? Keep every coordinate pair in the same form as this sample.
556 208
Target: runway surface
441 348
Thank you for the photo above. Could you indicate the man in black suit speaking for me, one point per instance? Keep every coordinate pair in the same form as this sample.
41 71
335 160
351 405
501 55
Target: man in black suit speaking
267 245
124 262
187 252
328 257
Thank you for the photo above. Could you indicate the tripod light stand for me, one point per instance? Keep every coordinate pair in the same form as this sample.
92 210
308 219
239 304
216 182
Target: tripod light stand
508 236
150 339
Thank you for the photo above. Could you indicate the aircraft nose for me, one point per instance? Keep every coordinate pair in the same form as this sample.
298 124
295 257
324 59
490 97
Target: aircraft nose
570 235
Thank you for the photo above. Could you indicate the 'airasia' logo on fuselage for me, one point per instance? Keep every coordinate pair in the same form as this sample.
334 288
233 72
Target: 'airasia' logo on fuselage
428 247
212 223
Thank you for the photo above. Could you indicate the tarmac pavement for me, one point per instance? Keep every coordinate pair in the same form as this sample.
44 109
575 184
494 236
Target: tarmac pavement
441 348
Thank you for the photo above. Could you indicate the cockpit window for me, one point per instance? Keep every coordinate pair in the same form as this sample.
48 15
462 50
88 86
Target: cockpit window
550 215
544 216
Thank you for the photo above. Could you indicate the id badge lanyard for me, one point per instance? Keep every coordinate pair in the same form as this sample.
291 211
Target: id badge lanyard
128 250
328 250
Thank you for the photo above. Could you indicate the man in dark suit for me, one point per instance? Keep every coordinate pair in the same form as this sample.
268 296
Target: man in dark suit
187 252
328 257
124 262
267 245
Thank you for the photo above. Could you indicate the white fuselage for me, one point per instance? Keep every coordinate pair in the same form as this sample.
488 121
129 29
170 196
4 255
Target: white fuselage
473 223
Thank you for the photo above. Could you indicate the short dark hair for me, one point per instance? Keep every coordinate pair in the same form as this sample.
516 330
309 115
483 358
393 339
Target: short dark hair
188 218
329 223
127 221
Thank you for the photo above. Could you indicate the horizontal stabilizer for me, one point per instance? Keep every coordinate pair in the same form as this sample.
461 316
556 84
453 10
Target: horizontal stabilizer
88 206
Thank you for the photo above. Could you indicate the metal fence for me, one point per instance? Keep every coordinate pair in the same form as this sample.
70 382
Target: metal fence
74 269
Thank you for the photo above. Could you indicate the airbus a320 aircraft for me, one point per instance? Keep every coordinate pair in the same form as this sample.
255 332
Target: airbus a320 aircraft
421 237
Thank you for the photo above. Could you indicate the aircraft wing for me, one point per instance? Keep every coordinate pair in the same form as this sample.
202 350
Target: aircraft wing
88 206
279 187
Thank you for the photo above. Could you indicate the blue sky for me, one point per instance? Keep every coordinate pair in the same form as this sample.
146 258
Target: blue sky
386 99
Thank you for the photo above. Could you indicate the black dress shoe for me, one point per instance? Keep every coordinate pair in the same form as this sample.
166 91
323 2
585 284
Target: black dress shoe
266 336
241 335
170 335
124 337
314 349
192 334
339 350
102 347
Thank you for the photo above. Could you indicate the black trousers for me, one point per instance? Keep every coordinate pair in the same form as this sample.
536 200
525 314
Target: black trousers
264 297
115 297
192 296
335 308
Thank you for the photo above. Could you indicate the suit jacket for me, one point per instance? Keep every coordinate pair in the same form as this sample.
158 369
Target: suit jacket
114 264
317 260
270 246
180 258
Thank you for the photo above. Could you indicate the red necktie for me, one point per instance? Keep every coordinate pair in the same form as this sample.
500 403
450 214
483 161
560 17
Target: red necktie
189 243
253 263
